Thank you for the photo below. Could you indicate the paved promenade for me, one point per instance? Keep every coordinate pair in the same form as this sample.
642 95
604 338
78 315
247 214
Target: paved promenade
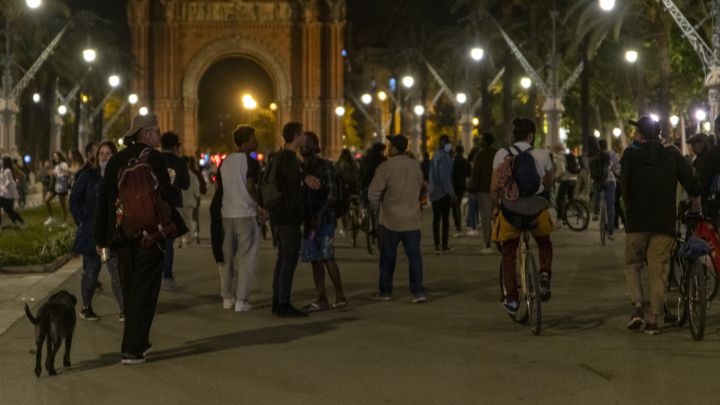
459 348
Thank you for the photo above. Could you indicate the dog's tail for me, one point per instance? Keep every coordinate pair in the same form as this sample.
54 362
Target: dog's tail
30 315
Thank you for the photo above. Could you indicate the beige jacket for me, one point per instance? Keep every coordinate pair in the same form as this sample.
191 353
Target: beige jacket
396 188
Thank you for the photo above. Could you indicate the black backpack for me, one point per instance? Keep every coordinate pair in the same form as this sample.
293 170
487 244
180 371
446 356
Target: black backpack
599 167
571 164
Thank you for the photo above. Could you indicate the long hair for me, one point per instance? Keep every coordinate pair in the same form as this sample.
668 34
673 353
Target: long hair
61 157
8 164
110 145
346 156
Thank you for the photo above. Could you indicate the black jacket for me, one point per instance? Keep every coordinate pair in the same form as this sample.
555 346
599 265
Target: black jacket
461 173
289 211
83 206
649 179
181 180
105 223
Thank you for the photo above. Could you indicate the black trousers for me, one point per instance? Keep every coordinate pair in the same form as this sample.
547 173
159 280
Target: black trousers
441 213
7 205
565 194
457 210
289 241
140 277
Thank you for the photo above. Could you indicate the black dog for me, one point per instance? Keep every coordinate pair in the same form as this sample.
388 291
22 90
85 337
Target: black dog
55 321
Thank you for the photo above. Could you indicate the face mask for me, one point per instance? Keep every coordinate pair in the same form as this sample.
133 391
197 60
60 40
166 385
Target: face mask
447 148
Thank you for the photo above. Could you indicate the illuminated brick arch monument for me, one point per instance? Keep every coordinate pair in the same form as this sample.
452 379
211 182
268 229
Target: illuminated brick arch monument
299 43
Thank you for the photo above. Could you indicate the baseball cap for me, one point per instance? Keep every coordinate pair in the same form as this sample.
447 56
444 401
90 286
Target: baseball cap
648 127
399 142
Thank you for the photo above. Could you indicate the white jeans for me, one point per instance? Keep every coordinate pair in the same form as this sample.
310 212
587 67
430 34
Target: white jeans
240 249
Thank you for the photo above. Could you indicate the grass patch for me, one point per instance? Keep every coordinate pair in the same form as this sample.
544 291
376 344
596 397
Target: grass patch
38 244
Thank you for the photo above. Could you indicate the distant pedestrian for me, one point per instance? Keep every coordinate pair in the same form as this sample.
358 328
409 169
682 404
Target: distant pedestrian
238 195
319 226
286 216
190 199
397 189
195 170
480 181
180 181
9 193
460 175
60 187
650 176
140 257
368 165
349 170
567 181
442 194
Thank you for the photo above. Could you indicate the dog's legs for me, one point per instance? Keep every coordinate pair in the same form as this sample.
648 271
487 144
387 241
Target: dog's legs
39 340
68 346
53 345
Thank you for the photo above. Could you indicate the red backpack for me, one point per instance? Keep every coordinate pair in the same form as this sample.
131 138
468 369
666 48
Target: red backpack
141 211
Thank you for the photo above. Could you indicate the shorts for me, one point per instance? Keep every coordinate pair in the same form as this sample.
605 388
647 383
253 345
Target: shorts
322 247
503 231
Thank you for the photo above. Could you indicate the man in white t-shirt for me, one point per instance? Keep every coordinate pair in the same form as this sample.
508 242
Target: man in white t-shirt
515 212
239 174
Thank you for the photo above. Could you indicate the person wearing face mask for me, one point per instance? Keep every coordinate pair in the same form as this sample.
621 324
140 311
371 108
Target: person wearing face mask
83 207
441 193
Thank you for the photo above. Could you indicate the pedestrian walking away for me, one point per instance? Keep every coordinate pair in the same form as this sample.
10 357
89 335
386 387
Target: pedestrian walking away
319 225
9 193
442 194
397 190
237 181
180 181
140 255
60 187
650 175
480 180
460 175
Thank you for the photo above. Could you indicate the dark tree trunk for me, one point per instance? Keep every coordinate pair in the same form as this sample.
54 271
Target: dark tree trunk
585 100
486 121
663 49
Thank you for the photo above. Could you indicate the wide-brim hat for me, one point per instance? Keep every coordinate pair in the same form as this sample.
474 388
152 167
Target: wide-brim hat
138 123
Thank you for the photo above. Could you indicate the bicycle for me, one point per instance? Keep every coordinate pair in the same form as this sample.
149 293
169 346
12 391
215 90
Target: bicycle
576 215
369 226
353 220
687 291
529 286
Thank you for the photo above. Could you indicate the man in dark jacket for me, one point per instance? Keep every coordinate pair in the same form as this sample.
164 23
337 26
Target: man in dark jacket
368 164
650 174
287 216
460 174
180 180
480 179
140 267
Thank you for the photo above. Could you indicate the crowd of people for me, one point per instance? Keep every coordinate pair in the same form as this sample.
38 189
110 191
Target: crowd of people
302 195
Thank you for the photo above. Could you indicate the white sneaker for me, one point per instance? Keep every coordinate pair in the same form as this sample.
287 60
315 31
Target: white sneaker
341 233
48 221
487 251
242 306
457 234
228 303
472 232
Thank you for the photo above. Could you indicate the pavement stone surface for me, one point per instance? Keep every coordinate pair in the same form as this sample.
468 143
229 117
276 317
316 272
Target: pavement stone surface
459 348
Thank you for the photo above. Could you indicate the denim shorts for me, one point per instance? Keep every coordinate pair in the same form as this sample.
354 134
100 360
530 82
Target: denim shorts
322 247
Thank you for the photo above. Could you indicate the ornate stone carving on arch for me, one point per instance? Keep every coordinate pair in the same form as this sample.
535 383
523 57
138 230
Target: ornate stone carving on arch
233 46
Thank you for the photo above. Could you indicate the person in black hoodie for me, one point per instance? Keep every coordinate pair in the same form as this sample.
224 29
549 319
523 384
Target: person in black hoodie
650 174
460 174
140 267
287 216
180 180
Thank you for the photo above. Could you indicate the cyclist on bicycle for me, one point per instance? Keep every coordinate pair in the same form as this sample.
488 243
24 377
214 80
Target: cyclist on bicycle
520 198
650 174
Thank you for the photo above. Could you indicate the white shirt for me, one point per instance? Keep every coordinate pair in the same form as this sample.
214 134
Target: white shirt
61 169
236 202
543 163
8 187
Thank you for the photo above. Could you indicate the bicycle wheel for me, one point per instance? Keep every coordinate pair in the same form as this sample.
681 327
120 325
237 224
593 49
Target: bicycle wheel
369 234
603 222
351 221
675 295
713 282
521 316
532 295
697 299
577 215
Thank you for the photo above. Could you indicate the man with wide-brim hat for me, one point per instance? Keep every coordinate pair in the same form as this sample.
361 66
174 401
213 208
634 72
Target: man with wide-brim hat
650 173
140 267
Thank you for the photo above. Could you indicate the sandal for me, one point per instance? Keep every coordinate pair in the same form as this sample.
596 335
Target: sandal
315 307
340 305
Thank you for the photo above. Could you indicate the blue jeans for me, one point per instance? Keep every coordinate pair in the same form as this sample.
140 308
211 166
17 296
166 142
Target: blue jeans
389 241
472 214
88 282
169 256
609 187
